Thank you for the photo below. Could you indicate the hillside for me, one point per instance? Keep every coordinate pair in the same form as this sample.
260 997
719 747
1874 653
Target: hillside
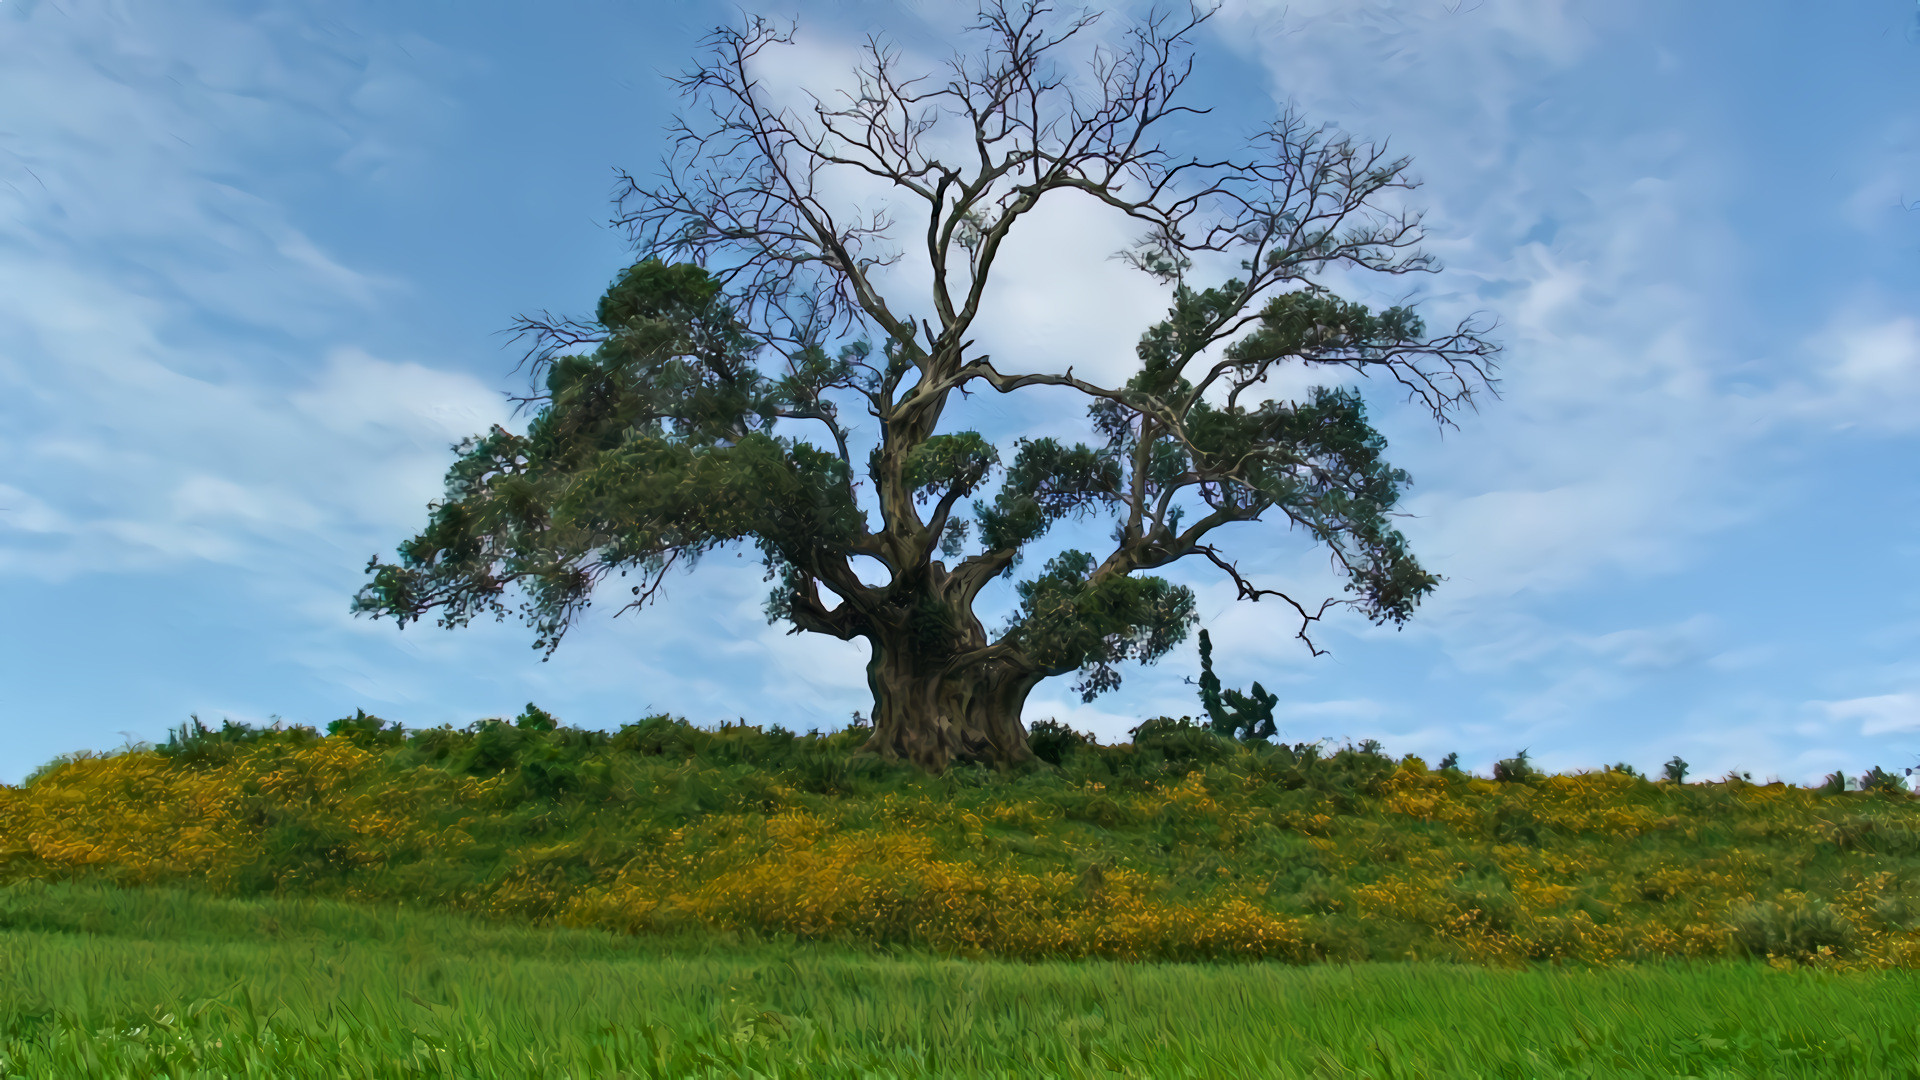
1180 845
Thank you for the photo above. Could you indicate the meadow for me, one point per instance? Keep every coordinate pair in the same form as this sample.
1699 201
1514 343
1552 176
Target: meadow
105 982
519 898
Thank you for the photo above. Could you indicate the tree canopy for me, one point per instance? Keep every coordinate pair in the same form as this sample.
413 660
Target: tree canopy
708 402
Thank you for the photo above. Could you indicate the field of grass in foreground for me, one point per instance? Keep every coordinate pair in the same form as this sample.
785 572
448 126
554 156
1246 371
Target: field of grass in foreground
104 982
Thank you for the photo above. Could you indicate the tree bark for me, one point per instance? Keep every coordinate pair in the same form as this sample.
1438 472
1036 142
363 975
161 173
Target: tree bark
932 712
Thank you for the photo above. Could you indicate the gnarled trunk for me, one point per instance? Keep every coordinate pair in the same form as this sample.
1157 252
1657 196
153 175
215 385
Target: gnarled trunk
932 712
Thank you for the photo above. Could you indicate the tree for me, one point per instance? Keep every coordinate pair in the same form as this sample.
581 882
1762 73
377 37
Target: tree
669 425
1232 713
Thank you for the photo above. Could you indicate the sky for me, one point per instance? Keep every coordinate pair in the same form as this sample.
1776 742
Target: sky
255 259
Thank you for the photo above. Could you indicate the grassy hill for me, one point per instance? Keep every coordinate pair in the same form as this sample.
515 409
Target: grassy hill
1180 845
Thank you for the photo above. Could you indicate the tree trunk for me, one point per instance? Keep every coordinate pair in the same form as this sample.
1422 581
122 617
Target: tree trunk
927 711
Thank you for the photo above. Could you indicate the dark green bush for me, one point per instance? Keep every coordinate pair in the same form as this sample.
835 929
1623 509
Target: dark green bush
661 736
1181 741
1053 742
495 748
1515 769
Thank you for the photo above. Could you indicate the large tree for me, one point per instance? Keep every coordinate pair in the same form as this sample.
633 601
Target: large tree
770 299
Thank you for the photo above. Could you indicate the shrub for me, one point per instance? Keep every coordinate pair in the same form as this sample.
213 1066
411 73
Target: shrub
193 743
495 747
1450 763
435 744
1881 780
1318 896
535 718
1234 715
1798 930
1675 770
1834 784
1875 837
1515 769
1486 902
366 732
662 736
1180 741
1053 742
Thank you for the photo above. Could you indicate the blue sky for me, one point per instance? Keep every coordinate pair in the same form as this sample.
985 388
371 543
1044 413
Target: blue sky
254 258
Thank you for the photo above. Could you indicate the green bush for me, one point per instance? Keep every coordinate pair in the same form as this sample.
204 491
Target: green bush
1053 742
1515 769
367 732
1875 836
1879 779
535 718
1798 931
195 744
1180 741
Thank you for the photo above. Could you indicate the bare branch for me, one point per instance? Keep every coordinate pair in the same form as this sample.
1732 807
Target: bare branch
1247 591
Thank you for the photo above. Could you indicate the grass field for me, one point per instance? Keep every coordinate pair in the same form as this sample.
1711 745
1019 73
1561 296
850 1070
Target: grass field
103 982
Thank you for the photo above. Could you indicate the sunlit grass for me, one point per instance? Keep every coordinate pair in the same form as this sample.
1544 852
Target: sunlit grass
101 982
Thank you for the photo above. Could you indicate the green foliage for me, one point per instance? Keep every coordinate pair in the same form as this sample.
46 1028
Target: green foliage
534 718
1071 618
651 451
1233 714
1675 770
954 463
1047 482
1320 463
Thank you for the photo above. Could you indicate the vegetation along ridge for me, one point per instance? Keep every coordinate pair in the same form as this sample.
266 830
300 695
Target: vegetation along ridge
1182 844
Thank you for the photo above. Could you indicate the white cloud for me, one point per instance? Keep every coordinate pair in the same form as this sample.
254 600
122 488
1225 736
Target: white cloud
1867 375
1883 714
160 411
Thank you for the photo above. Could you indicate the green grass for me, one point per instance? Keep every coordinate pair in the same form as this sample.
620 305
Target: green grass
102 982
